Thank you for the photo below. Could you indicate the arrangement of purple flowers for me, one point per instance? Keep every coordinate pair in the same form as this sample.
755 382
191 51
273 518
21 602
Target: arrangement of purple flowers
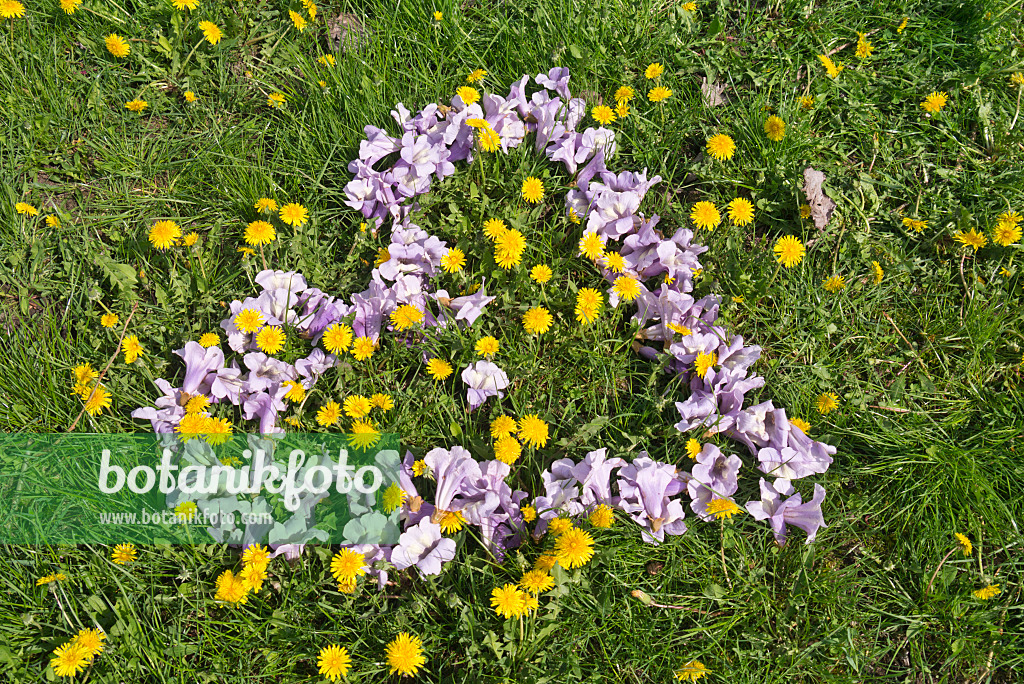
673 325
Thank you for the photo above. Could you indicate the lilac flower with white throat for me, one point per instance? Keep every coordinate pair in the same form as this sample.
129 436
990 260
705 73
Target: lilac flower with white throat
647 488
485 380
423 546
780 512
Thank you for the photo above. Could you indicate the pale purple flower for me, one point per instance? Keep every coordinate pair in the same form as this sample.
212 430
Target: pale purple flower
265 406
423 546
265 371
316 364
485 380
290 281
200 364
714 476
647 488
229 384
451 468
556 79
168 411
791 511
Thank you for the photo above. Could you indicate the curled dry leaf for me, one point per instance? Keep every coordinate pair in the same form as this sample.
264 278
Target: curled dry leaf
821 204
713 93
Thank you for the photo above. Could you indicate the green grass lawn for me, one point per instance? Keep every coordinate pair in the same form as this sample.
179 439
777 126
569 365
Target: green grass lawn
927 364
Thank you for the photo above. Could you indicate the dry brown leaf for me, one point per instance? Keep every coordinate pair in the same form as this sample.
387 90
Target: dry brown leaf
821 204
712 93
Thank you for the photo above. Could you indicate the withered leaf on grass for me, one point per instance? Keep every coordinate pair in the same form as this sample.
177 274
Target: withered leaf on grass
713 93
821 204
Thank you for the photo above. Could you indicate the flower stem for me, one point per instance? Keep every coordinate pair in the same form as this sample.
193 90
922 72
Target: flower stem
941 562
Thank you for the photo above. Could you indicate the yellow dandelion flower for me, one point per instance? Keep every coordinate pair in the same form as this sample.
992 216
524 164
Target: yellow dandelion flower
454 260
337 338
533 431
541 273
494 228
329 414
575 548
775 128
508 601
985 593
692 671
533 190
164 234
26 209
298 21
476 75
132 348
363 348
405 317
136 105
934 103
439 369
294 214
507 449
971 238
249 320
489 139
834 283
603 516
864 47
260 233
211 32
705 215
602 114
806 102
69 6
393 498
804 426
469 95
704 362
653 71
789 251
405 653
108 320
693 448
722 508
591 245
357 406
624 94
831 67
741 211
588 305
487 346
659 94
1006 233
116 45
502 426
123 554
876 272
827 402
965 543
276 100
903 25
537 320
626 288
721 147
71 658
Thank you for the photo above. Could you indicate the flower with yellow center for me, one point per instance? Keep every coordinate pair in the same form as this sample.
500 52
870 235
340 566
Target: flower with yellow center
96 400
573 216
255 554
1006 233
985 593
419 468
626 288
965 543
123 554
804 426
741 211
806 102
574 549
84 374
383 256
805 211
704 362
59 577
192 425
502 426
603 516
693 448
971 238
252 577
1010 216
834 283
136 105
91 640
69 6
334 662
326 60
532 190
270 339
405 317
864 48
296 392
602 114
393 498
494 228
185 511
190 239
249 320
934 103
116 45
721 147
328 414
541 273
217 430
487 346
164 234
489 139
827 402
260 233
363 434
382 401
363 348
182 5
529 513
508 601
537 320
588 305
533 431
659 94
298 21
614 261
831 67
451 521
439 369
559 526
357 406
211 32
53 221
705 215
108 320
653 71
276 100
622 110
26 209
337 338
70 658
692 671
132 348
476 75
348 564
197 404
690 7
537 581
681 329
469 95
507 449
624 94
438 16
546 561
722 508
190 97
789 251
903 25
775 128
311 8
591 245
877 272
231 588
294 214
454 260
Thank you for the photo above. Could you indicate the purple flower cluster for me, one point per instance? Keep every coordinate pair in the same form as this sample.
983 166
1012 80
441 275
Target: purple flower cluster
674 326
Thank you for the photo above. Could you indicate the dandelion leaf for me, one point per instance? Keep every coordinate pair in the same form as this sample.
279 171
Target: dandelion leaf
821 204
